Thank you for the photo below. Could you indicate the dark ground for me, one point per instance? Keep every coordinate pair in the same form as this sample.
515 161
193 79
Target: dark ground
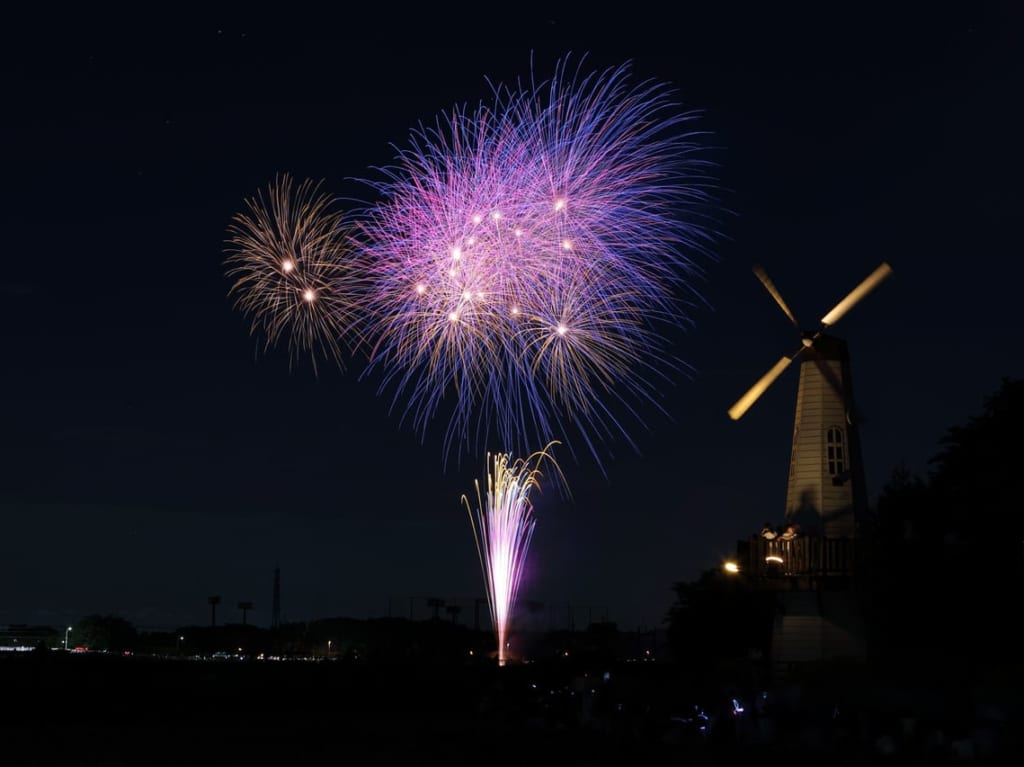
95 709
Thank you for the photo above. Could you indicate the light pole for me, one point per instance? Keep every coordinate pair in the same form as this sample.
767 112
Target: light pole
67 631
329 648
180 640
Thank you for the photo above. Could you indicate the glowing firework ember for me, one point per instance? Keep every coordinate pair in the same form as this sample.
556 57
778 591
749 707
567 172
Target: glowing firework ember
503 524
292 275
527 256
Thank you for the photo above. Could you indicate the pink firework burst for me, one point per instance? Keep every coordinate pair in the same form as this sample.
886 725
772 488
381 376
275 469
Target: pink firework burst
528 257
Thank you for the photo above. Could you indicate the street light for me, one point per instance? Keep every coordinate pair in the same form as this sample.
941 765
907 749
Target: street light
66 632
329 648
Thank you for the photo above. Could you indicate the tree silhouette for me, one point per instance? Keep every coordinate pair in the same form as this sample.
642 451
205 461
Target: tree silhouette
946 551
975 475
902 511
105 632
719 617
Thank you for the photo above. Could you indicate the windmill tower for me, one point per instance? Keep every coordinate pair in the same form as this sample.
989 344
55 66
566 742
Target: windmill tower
826 492
826 495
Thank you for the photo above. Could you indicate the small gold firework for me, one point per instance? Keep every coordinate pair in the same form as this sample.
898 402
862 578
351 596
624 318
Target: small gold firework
289 258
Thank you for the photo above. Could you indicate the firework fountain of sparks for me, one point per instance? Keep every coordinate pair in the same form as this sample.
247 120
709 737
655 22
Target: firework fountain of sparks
528 256
503 524
289 259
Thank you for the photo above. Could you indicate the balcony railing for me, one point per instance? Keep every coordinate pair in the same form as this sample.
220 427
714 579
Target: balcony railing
801 556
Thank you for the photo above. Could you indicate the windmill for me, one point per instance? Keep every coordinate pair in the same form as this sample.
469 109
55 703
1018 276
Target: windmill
826 489
826 492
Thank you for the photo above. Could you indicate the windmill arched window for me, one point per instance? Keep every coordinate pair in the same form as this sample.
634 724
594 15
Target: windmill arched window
835 443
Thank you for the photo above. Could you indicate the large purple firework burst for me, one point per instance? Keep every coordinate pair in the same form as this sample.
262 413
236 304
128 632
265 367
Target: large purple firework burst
528 257
293 277
503 523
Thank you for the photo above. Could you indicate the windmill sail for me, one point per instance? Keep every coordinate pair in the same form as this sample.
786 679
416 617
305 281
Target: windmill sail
826 489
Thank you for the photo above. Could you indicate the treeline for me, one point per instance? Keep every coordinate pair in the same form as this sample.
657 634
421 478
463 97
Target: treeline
373 640
339 638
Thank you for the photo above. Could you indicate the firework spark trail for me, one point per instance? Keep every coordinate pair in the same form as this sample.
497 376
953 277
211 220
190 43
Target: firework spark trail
288 257
503 524
528 256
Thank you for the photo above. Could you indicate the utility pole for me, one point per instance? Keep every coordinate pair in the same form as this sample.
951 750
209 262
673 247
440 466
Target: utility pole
275 617
476 612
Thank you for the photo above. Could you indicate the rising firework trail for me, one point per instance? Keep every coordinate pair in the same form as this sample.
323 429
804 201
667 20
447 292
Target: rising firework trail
288 257
530 257
503 524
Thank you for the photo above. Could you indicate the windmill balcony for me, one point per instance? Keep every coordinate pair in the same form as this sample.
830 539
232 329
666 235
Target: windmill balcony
783 563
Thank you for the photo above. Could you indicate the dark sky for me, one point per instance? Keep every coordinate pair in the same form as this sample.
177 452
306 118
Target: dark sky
151 455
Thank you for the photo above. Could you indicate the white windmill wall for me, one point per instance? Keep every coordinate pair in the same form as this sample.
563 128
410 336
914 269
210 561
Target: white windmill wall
813 500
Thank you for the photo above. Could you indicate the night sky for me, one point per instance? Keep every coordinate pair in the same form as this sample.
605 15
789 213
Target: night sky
151 454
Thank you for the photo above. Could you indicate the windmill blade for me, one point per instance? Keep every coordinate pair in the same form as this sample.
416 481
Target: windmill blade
857 294
743 403
761 275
